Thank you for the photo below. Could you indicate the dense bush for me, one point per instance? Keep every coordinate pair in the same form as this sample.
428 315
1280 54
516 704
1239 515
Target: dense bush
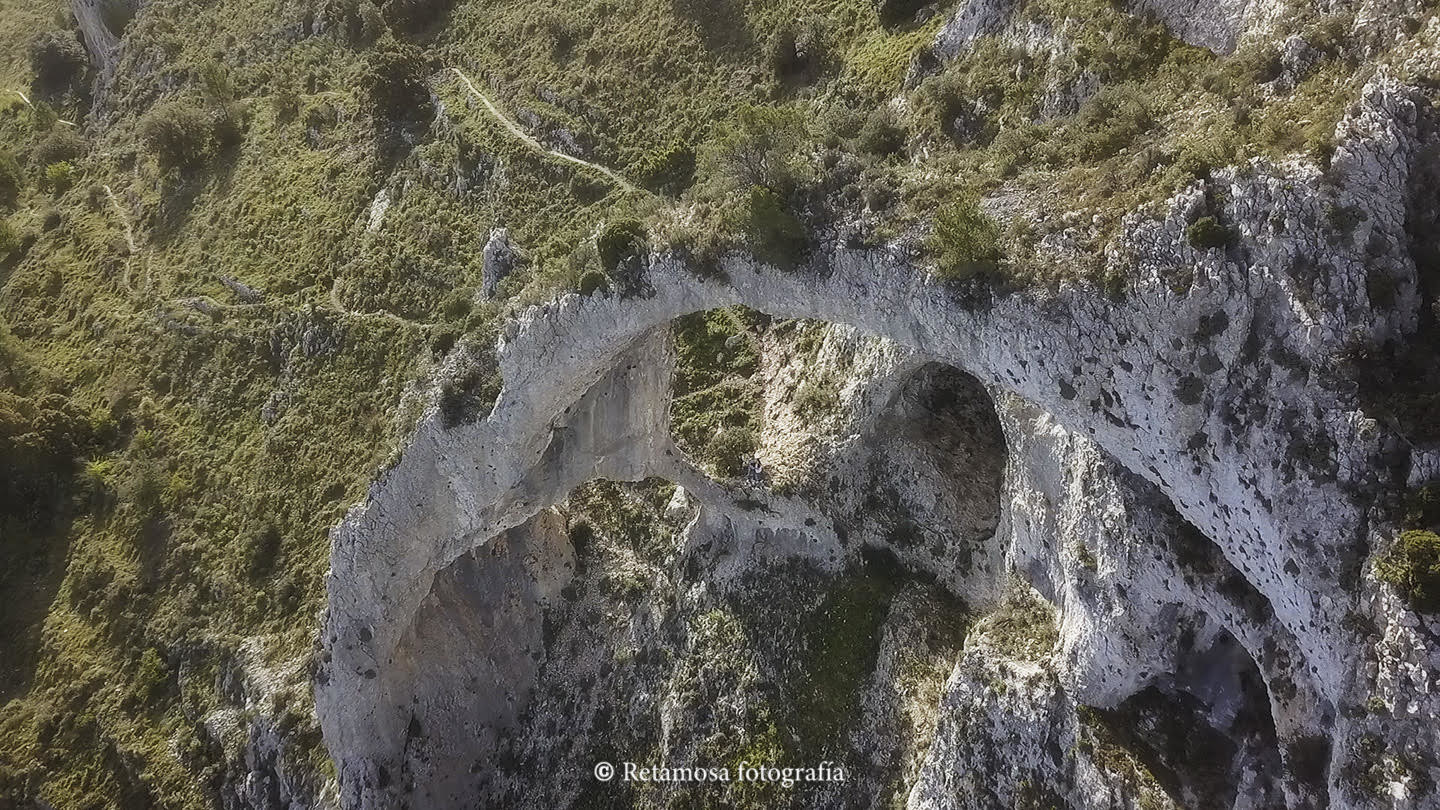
58 59
881 135
10 243
775 235
1206 233
758 148
894 12
965 241
394 83
39 442
178 133
1108 122
59 177
797 51
592 282
1413 567
621 244
12 180
412 16
62 144
670 170
729 449
944 104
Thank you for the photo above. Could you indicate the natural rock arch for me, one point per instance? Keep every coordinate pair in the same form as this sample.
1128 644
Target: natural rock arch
1154 382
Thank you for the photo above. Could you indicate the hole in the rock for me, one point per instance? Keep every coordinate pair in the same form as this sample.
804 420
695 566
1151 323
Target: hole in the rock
1206 733
634 624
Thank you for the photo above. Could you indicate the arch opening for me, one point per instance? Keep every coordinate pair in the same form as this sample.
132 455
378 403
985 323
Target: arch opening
751 616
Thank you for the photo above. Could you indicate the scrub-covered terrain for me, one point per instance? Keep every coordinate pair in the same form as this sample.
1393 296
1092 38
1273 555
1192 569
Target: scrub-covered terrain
1021 403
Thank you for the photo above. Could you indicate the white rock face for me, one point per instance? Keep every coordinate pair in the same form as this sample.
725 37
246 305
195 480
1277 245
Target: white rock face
1189 483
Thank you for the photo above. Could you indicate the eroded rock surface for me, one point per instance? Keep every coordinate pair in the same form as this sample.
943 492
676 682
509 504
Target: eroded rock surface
1190 484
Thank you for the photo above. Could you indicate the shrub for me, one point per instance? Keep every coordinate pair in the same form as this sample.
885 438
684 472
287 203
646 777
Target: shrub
815 399
12 180
894 12
881 135
59 177
215 81
10 243
394 83
62 144
412 16
1108 122
227 123
729 448
775 235
670 170
797 51
39 442
1207 233
152 674
262 548
1413 567
941 100
178 133
620 243
592 282
57 58
965 241
758 148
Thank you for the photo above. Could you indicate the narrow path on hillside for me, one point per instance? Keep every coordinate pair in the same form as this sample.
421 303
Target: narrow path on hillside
31 105
130 244
529 141
339 306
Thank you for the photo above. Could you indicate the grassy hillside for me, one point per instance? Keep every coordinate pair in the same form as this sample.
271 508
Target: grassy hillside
205 347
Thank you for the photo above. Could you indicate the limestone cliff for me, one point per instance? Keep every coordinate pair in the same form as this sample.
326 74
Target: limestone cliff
1191 489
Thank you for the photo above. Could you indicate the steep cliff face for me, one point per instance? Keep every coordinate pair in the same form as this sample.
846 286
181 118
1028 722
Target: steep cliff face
1190 483
1013 404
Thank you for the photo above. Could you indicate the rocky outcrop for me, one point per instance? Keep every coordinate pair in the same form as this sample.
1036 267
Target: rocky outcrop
1189 480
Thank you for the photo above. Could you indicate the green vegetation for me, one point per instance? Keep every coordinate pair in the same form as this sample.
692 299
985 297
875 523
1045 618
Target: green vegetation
1413 567
772 232
11 180
58 59
965 241
175 453
715 415
840 639
621 247
1024 627
1206 233
670 170
179 134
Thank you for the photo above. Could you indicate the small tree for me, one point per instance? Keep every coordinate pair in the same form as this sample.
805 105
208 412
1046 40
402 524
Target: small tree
965 241
1207 234
730 448
59 177
57 58
63 143
394 82
758 148
178 133
622 245
881 135
619 242
10 244
775 235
